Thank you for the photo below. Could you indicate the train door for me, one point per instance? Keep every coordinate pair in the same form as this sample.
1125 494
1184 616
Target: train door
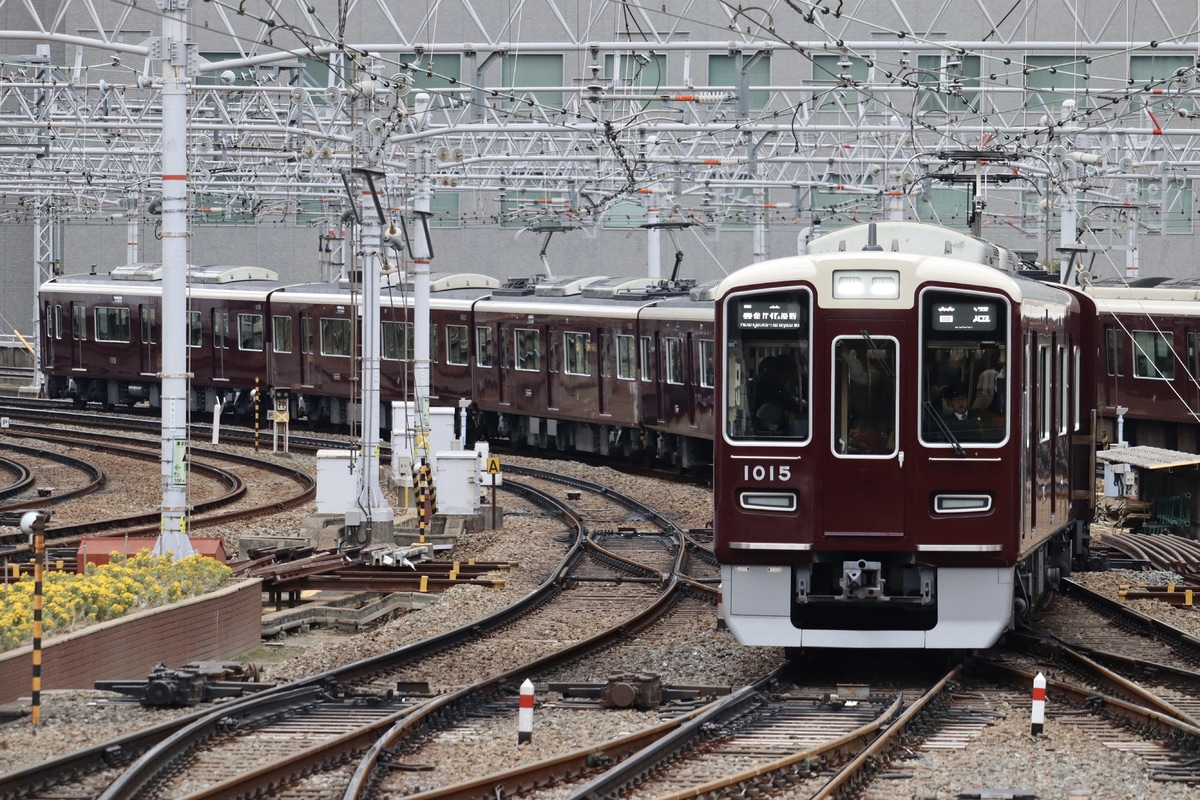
603 371
220 329
149 351
307 367
553 365
52 325
689 376
863 478
503 348
78 334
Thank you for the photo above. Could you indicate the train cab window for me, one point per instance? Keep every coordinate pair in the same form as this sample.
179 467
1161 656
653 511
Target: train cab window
576 346
457 346
626 358
963 395
250 332
195 331
149 328
529 351
335 336
281 334
483 344
1154 355
112 324
767 366
674 348
78 322
865 395
396 342
708 370
220 327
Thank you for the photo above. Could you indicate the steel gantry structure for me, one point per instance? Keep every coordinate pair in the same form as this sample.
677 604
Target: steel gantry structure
1068 122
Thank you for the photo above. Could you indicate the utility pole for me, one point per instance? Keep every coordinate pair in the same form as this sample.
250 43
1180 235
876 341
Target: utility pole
173 52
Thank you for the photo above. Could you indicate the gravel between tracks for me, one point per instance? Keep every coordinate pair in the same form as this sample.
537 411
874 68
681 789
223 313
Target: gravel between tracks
1062 763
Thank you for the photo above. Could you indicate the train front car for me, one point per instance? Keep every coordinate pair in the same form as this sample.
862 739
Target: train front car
902 455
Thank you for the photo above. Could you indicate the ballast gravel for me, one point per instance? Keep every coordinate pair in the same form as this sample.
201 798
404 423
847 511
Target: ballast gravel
1063 763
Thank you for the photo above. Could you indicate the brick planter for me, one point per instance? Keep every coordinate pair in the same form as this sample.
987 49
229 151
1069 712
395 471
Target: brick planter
219 625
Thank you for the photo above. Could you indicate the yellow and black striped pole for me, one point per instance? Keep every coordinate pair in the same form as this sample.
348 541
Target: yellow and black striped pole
39 553
422 509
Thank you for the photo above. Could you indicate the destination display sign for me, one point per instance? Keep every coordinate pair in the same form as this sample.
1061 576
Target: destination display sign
778 314
964 315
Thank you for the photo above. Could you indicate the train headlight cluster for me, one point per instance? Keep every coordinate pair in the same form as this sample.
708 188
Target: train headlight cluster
962 503
866 283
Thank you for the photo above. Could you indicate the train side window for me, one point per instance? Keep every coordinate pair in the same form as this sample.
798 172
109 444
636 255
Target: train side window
626 358
250 332
58 327
1064 391
78 322
112 324
1153 355
1114 350
577 346
335 336
483 342
674 348
149 328
529 354
433 344
195 332
647 362
220 326
396 343
1192 355
457 347
281 334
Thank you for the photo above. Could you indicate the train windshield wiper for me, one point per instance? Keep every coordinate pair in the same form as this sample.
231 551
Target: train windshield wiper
883 363
944 429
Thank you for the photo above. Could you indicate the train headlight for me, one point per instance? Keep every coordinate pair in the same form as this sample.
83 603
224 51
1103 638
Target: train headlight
962 503
870 283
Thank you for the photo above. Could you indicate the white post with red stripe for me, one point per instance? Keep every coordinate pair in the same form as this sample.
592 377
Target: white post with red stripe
525 714
1039 704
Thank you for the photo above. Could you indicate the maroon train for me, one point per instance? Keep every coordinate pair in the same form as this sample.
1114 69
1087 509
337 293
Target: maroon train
602 365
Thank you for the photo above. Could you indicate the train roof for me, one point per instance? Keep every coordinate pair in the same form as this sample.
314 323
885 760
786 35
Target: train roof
917 238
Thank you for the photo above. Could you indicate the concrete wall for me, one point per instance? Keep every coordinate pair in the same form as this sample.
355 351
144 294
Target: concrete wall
220 625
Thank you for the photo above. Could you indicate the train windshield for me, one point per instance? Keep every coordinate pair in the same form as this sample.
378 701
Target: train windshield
965 350
767 366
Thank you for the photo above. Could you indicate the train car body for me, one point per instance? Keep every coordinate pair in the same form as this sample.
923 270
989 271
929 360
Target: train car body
854 508
101 334
1149 383
592 365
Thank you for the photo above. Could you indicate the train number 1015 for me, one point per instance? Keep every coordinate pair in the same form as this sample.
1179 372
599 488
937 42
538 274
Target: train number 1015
770 472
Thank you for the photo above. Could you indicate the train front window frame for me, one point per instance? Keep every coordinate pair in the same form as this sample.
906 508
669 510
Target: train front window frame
768 367
866 396
965 344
